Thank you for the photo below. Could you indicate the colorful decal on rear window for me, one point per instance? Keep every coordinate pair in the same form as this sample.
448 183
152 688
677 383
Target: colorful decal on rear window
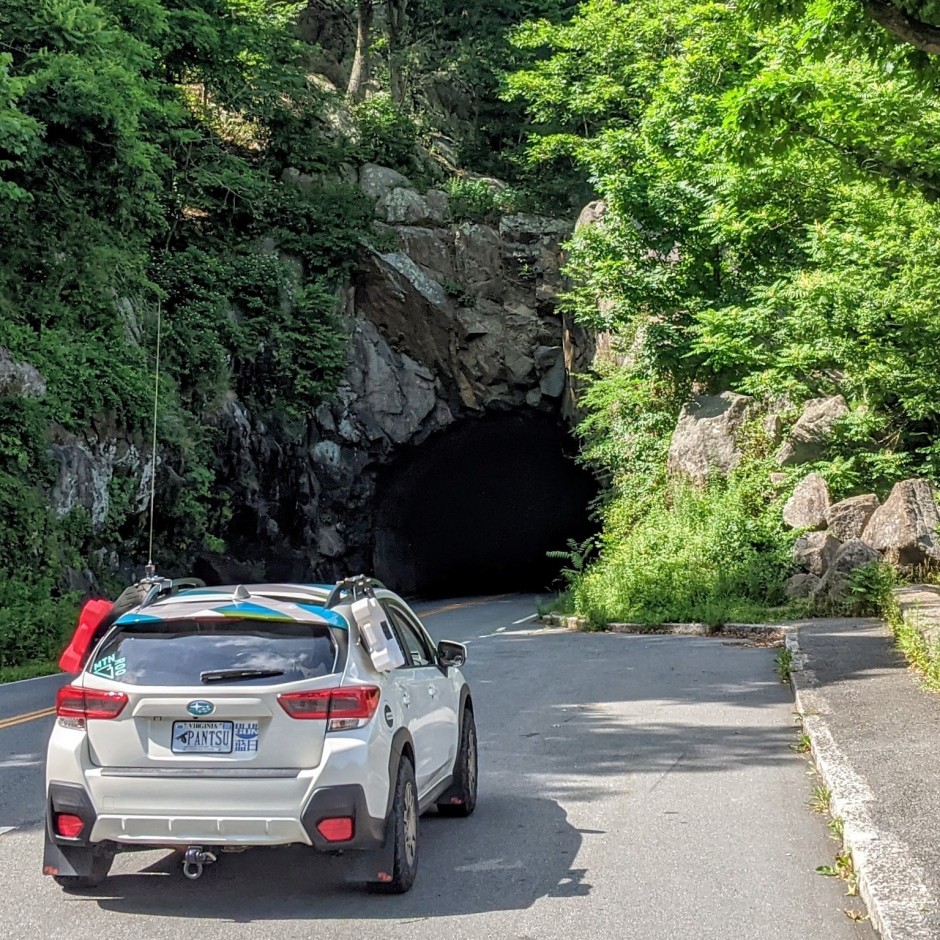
110 667
246 736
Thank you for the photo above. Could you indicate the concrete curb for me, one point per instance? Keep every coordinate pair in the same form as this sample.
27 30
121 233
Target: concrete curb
889 881
737 630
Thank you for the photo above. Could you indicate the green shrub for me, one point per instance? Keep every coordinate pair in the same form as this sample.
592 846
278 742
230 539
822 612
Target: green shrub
472 200
713 555
385 134
35 623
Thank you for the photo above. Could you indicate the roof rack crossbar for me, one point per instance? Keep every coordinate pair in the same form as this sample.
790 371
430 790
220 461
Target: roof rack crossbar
165 586
357 585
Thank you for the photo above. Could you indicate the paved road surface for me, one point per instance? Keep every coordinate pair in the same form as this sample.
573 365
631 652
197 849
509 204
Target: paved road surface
637 788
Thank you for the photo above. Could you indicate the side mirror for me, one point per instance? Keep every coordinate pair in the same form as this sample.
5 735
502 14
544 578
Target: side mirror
451 654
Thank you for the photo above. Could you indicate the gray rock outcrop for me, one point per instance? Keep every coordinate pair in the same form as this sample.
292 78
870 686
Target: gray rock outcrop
20 379
904 529
814 552
447 321
833 586
706 442
807 507
810 436
801 586
847 519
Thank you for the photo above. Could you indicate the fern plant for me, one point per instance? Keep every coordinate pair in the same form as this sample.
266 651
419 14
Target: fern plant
577 554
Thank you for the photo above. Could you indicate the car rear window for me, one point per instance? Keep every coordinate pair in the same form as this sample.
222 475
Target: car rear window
177 652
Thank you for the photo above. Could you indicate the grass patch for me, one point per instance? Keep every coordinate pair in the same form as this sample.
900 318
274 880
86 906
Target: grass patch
784 664
29 671
709 556
921 654
819 799
803 744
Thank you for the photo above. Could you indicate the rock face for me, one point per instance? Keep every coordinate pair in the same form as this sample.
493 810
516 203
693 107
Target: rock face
833 586
814 552
904 529
810 435
20 379
801 586
847 519
807 507
447 321
705 442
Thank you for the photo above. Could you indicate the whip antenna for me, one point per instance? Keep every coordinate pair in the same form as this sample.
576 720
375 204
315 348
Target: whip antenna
151 569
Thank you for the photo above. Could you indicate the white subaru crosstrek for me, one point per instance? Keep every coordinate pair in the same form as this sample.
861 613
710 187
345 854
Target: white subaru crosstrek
211 719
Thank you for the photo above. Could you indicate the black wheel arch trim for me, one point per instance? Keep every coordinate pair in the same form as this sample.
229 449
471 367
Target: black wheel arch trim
400 740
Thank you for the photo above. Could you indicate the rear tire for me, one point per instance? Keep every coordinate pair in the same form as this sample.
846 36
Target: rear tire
403 831
466 770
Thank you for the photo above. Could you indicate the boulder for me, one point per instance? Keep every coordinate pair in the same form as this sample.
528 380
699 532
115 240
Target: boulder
801 586
592 214
20 379
550 361
807 507
847 519
403 206
812 432
905 527
705 441
378 181
833 586
815 551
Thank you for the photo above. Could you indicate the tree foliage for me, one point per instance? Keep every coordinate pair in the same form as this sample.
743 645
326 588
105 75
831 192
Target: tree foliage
771 178
141 148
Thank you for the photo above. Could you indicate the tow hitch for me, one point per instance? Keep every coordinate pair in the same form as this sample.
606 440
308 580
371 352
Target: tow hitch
195 860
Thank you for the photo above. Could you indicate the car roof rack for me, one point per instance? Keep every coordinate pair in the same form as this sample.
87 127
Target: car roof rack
358 586
166 587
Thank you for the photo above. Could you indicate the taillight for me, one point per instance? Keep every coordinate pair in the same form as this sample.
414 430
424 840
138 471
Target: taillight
70 826
81 704
343 709
337 828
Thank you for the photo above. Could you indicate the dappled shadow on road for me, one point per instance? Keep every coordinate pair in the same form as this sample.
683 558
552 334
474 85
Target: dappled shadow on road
513 851
564 720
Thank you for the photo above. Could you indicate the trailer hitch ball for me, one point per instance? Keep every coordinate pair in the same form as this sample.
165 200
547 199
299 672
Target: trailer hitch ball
195 860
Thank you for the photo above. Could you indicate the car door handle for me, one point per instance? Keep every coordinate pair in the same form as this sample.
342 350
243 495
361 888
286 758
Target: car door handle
432 691
405 699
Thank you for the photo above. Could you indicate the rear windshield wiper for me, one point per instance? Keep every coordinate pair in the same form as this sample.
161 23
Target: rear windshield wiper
233 675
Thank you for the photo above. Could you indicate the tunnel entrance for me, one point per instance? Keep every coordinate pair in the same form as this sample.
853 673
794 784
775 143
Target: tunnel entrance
474 509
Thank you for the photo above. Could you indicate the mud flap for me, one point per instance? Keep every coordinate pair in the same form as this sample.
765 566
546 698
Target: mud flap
372 866
73 861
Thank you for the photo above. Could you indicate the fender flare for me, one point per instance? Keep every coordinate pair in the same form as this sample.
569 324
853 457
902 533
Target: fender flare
400 739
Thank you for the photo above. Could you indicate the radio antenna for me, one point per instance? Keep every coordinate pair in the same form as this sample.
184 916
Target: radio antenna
151 569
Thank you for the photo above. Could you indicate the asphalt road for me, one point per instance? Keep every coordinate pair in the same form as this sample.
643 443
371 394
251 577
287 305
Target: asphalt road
638 788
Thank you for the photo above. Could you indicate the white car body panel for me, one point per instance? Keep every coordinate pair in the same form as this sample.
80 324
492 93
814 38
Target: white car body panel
144 794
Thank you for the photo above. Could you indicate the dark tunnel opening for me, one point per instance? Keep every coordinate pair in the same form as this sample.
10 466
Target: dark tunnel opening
474 509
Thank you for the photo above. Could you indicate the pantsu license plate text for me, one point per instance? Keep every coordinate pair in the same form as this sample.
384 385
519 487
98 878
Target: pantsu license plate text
202 737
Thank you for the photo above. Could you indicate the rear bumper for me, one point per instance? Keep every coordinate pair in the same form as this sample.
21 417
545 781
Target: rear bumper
244 830
153 806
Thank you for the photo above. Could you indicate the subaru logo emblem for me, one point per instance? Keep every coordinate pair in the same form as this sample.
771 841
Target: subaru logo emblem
200 708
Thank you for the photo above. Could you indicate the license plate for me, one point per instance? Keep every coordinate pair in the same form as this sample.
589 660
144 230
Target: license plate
202 737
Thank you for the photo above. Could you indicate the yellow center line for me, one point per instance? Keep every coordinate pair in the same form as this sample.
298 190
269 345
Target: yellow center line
27 716
463 604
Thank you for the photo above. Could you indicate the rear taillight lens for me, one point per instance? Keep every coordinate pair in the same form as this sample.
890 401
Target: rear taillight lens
344 709
337 828
81 704
68 825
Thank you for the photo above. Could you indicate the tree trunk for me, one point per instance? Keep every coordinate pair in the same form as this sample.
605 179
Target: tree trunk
922 35
397 10
360 67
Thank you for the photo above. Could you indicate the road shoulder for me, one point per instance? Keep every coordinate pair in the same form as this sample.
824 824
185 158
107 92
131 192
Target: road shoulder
875 737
